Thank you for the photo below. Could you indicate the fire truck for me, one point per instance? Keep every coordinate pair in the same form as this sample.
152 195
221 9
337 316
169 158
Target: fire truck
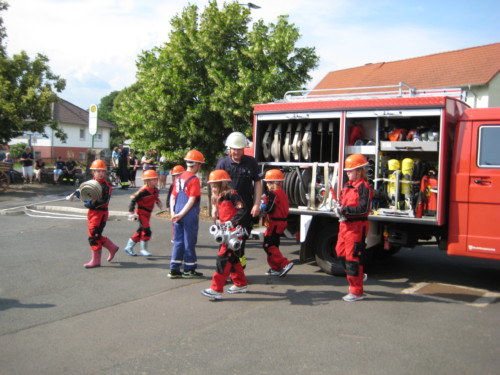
434 164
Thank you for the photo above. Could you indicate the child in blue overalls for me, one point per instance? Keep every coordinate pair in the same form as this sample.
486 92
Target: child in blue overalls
185 212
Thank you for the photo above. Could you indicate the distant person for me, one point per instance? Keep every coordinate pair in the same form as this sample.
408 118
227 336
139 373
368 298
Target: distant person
39 168
245 179
185 212
163 171
123 167
58 169
148 161
132 168
27 160
115 162
9 159
69 170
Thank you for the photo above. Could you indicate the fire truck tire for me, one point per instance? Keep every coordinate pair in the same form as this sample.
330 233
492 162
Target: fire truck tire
326 258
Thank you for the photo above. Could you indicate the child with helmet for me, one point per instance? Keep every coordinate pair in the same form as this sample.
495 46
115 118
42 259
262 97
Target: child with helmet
98 215
353 210
145 199
275 211
185 213
229 209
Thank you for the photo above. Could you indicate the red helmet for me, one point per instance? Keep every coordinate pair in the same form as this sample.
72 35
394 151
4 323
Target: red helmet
149 174
98 165
194 156
218 175
355 161
178 169
274 175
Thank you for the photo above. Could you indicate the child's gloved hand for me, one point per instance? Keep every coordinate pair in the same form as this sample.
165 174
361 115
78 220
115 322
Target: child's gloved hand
132 217
87 204
77 193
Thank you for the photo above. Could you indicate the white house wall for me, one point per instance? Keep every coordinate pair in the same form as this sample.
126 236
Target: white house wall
494 92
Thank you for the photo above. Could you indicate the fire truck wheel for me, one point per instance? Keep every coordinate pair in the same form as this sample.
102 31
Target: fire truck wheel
326 258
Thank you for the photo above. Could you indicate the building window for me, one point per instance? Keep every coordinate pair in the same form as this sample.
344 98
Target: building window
38 154
81 155
82 134
98 136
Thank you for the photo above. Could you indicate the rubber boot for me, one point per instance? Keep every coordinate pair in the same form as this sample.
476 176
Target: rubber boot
129 249
144 249
96 259
112 248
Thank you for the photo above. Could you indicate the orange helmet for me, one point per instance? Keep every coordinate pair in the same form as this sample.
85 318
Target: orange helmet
149 174
274 175
355 161
218 175
194 156
98 165
178 169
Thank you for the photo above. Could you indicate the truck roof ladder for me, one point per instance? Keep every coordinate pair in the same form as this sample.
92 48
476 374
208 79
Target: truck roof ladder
400 90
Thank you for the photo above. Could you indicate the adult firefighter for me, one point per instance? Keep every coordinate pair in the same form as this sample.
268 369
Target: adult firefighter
353 210
185 207
123 167
245 179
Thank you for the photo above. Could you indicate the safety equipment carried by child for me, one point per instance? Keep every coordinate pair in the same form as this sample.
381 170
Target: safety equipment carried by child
149 174
355 161
90 190
223 234
194 156
218 175
98 165
274 175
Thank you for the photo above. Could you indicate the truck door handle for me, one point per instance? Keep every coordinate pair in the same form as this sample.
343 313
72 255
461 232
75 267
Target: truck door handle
482 182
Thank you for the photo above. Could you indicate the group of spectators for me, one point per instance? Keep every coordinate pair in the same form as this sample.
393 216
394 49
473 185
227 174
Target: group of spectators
32 168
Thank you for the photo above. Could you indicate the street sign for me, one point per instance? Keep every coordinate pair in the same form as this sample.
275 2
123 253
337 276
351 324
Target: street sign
93 119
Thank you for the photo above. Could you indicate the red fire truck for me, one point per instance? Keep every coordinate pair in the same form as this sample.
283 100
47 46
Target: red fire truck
434 164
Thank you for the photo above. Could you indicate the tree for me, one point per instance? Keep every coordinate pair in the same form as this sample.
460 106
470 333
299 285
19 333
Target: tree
26 92
201 85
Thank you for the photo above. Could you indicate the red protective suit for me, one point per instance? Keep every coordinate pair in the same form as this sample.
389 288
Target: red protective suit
145 198
230 208
355 200
275 207
98 215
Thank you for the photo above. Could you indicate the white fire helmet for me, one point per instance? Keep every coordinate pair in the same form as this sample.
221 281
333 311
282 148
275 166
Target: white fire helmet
237 140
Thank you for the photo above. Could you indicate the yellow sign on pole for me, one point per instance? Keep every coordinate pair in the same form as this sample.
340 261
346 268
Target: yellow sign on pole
93 119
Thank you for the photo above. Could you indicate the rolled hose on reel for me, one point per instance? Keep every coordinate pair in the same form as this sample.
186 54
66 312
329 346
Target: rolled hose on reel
90 190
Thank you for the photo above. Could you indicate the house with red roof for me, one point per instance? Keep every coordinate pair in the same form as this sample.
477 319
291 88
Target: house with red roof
74 121
475 70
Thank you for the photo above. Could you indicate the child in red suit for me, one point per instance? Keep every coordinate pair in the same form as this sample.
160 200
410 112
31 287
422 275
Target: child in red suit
97 217
229 209
275 210
145 199
353 210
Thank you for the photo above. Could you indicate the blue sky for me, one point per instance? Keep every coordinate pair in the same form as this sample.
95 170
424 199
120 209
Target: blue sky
94 44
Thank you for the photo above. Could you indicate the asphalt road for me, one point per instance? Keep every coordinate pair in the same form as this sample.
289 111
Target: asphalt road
127 317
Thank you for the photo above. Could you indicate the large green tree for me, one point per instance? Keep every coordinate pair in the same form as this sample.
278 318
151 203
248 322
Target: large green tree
27 90
201 85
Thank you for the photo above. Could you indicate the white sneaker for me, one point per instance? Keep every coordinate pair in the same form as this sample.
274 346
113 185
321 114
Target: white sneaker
365 277
353 297
211 294
272 272
285 269
238 289
145 253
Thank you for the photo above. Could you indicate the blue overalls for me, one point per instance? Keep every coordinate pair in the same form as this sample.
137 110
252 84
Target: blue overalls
185 231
